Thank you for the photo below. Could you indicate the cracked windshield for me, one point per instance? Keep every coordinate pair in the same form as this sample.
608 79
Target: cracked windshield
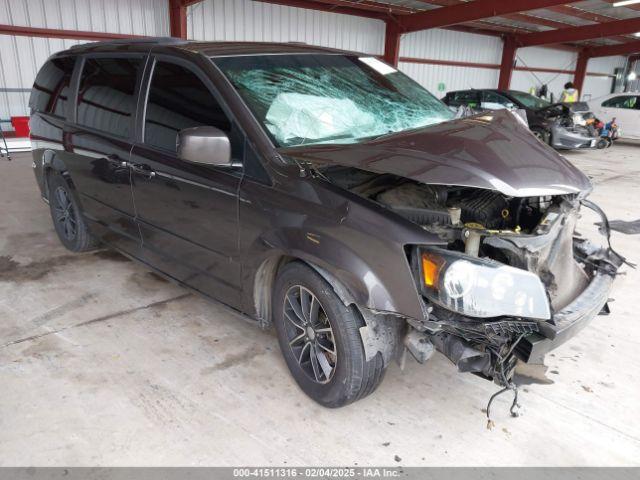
313 99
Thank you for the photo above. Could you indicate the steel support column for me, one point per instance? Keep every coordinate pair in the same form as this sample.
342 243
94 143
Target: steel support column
178 19
392 43
581 70
507 63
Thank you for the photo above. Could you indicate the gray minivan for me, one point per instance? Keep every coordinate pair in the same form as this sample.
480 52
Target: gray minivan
324 193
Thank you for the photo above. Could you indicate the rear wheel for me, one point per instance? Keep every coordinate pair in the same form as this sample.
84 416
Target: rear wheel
320 339
66 215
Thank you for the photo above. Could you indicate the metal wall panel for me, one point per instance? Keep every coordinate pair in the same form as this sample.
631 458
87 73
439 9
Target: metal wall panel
563 60
453 78
21 57
546 57
140 17
438 44
245 20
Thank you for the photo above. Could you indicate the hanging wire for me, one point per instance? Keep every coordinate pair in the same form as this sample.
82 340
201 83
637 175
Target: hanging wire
569 65
508 385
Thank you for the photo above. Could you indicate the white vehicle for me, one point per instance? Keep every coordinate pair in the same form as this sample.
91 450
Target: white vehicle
624 107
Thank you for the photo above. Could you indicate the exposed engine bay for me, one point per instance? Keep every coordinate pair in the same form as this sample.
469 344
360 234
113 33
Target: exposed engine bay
529 268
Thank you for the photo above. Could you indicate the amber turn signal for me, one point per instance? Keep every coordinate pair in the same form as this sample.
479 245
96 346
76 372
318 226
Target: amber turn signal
431 265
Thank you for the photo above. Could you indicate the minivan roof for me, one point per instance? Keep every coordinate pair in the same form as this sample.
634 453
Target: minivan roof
209 49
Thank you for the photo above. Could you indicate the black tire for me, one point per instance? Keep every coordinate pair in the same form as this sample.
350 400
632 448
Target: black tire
352 377
67 217
541 135
602 143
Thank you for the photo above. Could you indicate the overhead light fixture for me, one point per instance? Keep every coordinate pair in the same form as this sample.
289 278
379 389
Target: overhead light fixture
632 76
624 3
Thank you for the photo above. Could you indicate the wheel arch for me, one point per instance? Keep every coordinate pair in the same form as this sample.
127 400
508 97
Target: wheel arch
51 162
381 333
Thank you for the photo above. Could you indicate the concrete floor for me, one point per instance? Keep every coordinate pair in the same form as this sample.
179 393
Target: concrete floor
104 363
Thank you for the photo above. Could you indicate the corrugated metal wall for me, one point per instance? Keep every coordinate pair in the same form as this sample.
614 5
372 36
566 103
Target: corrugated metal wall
245 20
141 17
254 21
21 57
543 57
594 86
598 86
452 46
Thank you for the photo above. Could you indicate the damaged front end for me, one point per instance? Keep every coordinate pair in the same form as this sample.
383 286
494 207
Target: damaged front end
511 280
514 290
567 126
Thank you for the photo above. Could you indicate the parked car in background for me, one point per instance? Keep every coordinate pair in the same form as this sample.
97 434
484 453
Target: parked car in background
326 194
560 125
624 107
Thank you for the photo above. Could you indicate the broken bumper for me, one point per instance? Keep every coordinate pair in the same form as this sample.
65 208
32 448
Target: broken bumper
562 138
567 322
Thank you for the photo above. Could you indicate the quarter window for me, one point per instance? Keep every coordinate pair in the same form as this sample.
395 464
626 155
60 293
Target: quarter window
50 91
106 98
178 99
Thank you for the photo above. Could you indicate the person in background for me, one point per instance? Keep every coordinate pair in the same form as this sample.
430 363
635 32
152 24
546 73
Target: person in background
569 94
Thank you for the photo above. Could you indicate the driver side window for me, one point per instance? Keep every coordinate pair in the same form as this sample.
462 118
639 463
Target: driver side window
178 99
626 101
495 101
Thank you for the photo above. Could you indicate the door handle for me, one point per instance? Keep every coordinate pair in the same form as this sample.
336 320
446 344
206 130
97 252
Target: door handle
143 169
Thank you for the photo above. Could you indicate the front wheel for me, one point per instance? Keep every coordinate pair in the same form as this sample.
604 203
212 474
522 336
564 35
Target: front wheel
320 339
541 135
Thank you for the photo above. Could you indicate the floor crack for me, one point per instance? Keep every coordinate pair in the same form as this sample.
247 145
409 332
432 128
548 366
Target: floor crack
96 320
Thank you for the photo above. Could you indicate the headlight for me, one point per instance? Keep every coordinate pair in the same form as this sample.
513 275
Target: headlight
578 119
481 288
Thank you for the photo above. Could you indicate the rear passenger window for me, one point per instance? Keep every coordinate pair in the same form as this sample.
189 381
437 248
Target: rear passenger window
178 99
106 98
50 92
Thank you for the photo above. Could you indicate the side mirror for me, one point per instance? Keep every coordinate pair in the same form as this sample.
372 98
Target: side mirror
204 145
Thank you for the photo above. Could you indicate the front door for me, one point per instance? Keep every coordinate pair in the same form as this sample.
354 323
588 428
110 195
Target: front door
99 143
187 213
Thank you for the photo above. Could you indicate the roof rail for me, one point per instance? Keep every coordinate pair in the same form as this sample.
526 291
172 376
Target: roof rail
135 41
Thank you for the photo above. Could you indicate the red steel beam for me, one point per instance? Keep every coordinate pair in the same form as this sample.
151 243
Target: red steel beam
337 7
178 18
518 17
371 5
507 63
392 43
620 49
581 70
450 63
571 11
575 34
494 66
470 11
60 33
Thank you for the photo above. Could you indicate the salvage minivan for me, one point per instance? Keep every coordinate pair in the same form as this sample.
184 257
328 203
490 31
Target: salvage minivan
323 193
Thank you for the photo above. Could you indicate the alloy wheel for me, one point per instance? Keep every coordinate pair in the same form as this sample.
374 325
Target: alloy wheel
310 335
65 214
